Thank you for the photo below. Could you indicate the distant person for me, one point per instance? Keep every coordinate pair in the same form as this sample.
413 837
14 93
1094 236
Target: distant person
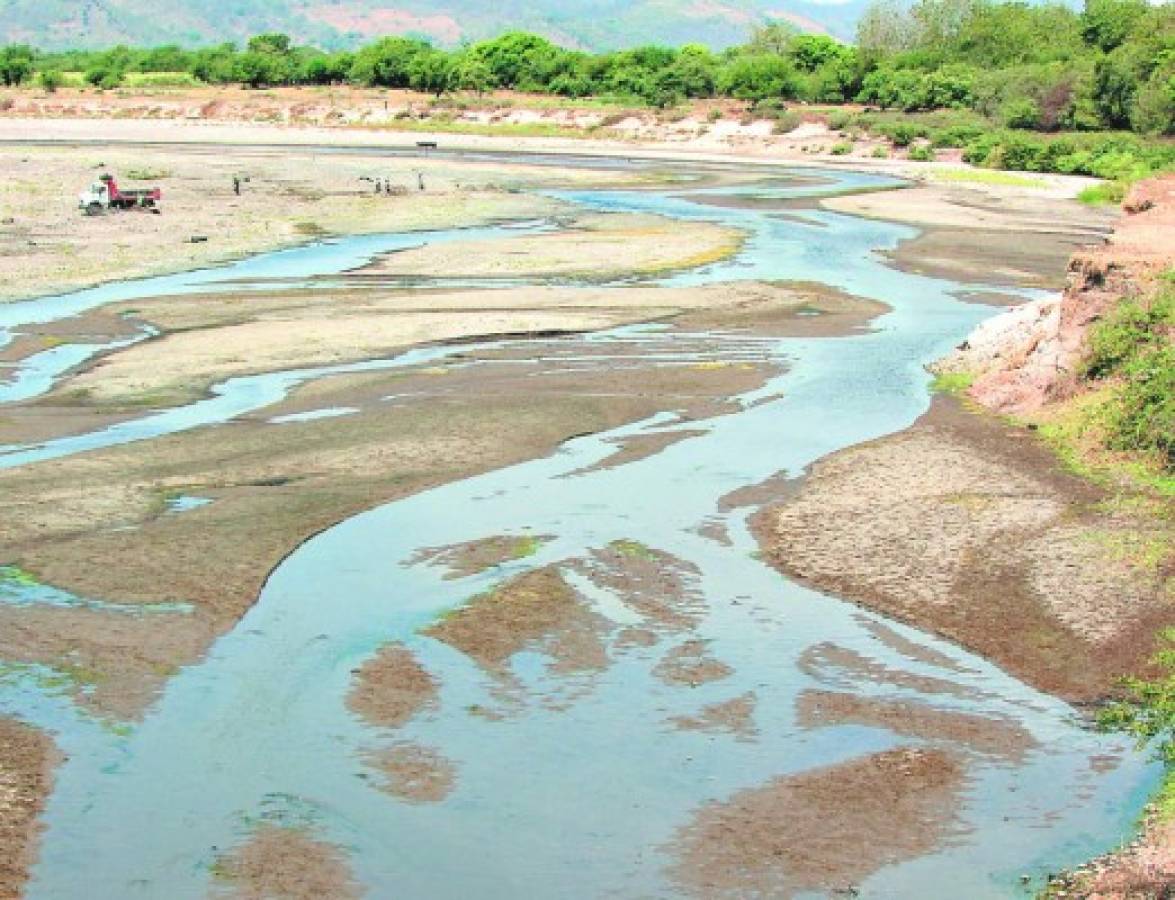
420 180
237 185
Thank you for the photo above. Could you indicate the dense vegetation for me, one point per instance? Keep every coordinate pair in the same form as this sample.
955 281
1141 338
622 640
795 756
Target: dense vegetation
1001 74
1132 350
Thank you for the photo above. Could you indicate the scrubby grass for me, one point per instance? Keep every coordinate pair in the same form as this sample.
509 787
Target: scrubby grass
1108 193
161 79
952 382
146 174
1077 435
1141 550
636 549
503 129
988 176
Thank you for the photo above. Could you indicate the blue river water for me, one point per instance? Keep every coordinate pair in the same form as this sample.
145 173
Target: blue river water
580 789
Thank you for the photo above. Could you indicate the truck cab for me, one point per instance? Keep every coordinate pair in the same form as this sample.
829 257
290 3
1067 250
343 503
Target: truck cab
96 199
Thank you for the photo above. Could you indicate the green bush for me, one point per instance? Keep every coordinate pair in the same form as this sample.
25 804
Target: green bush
1142 417
1022 112
1134 344
50 80
161 79
1148 712
786 122
844 148
1108 193
921 153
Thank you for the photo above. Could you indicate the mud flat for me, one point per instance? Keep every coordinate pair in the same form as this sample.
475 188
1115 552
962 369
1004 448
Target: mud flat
391 688
284 862
599 246
205 339
797 833
968 527
289 197
97 524
27 760
1002 236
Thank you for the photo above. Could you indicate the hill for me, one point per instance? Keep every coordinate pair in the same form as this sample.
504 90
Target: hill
585 24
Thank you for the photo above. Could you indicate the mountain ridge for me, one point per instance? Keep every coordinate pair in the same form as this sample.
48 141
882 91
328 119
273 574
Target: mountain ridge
335 24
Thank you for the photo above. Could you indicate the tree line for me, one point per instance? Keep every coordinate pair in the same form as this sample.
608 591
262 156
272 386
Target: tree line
1034 67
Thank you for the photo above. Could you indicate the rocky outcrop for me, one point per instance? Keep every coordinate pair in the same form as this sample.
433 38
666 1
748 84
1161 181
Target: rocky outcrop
1032 354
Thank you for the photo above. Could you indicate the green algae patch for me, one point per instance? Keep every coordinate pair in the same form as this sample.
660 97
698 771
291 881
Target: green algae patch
474 557
626 547
952 382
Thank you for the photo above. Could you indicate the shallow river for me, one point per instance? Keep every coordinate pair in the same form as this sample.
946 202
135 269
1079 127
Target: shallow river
579 790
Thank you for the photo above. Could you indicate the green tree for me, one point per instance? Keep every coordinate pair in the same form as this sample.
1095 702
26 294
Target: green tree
759 77
516 56
388 62
692 74
884 28
472 73
215 65
431 72
1148 712
1107 23
16 64
272 42
773 37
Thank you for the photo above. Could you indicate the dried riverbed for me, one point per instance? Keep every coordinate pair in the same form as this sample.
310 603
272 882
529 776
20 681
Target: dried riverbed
552 592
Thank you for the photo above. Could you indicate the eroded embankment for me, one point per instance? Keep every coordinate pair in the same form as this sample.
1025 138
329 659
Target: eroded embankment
968 527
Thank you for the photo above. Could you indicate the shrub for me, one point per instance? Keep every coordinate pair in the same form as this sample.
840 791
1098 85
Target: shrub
51 80
1105 194
105 77
844 148
785 123
1134 344
1021 113
1149 710
880 152
921 153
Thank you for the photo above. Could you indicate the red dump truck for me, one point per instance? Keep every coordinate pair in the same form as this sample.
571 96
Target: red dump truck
105 194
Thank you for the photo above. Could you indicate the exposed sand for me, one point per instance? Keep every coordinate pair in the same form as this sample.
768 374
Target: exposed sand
414 773
735 716
994 234
278 863
95 524
659 586
538 610
968 527
821 831
599 245
391 688
690 664
1000 738
206 339
292 196
475 557
27 760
